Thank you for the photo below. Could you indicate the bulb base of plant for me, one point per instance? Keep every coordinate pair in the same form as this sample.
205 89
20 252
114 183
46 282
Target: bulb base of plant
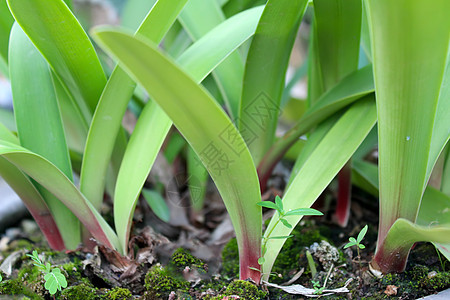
390 261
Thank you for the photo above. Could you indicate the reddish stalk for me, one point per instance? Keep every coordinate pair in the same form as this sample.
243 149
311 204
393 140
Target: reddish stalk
344 194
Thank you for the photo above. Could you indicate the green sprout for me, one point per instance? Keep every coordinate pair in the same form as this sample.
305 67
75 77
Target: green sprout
54 279
282 214
357 242
318 290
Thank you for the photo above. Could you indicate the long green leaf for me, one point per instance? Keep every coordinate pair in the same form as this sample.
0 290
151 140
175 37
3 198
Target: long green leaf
49 176
6 22
34 202
198 18
351 88
408 73
38 121
153 124
113 103
264 78
58 35
338 26
321 167
209 131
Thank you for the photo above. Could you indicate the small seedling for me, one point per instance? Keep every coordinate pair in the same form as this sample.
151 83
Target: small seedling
54 279
318 290
357 242
278 206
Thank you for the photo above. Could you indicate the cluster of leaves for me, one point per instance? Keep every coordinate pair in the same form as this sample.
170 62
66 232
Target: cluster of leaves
54 279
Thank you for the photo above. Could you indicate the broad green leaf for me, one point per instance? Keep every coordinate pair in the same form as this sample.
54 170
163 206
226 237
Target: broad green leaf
365 176
198 18
56 33
264 79
407 98
347 91
441 134
338 28
208 130
234 31
112 105
322 165
173 147
352 240
153 126
197 180
280 237
134 11
147 138
434 211
39 124
7 118
34 202
6 22
157 204
46 174
402 236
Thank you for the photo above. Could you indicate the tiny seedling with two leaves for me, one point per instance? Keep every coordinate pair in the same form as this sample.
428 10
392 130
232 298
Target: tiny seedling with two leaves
54 279
282 214
357 242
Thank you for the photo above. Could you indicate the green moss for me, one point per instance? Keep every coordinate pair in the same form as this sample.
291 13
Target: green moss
160 283
118 294
80 292
15 287
244 289
230 260
181 259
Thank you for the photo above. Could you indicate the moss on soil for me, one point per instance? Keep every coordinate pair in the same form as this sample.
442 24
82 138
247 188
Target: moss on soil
118 294
242 289
159 283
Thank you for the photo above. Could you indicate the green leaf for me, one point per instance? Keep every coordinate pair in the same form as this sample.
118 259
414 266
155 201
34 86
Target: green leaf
198 18
197 180
352 240
265 78
286 223
58 35
261 261
280 237
361 246
6 22
46 174
206 127
279 203
157 204
349 245
338 26
268 204
407 101
34 202
39 122
362 234
321 166
54 281
112 105
153 124
353 87
303 212
433 211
